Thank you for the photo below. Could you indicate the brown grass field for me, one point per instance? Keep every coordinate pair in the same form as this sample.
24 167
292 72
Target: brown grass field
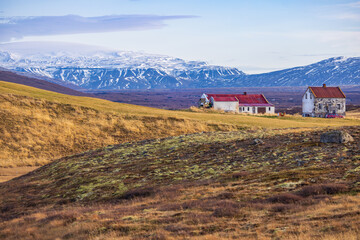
120 171
196 186
37 126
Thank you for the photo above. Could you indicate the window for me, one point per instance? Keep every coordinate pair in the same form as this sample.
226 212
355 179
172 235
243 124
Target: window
310 96
339 106
269 108
320 106
305 95
248 108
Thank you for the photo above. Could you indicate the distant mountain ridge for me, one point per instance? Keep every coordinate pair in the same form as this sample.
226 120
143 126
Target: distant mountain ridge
108 70
337 71
8 76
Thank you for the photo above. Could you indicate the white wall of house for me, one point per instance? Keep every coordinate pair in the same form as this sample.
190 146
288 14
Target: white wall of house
308 102
255 110
270 110
246 109
226 106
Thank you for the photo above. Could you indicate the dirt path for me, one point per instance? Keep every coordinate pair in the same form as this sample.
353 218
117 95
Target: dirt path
9 173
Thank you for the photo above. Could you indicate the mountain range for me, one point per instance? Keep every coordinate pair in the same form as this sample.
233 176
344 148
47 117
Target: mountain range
93 68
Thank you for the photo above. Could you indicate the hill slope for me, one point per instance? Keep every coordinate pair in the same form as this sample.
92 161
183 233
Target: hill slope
8 76
207 185
37 126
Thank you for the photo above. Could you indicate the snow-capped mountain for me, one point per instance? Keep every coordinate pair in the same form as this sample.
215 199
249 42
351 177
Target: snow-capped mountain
336 71
94 68
105 69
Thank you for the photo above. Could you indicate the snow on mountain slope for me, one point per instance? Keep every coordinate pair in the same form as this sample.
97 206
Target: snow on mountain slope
95 68
333 71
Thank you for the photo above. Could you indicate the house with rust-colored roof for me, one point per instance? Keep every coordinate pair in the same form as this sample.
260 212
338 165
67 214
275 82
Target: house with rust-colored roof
322 101
246 103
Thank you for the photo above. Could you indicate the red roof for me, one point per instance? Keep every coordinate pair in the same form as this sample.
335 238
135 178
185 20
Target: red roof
224 99
244 99
327 92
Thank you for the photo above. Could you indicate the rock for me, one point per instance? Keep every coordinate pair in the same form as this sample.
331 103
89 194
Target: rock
336 137
258 141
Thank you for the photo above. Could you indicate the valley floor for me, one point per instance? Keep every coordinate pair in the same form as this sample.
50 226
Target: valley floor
7 174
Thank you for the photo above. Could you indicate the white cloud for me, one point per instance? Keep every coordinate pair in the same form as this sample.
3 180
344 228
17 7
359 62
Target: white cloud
19 27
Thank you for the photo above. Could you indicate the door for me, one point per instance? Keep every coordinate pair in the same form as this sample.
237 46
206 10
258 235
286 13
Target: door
261 110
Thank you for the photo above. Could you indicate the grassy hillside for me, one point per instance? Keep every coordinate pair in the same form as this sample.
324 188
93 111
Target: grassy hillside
34 131
107 106
37 126
201 186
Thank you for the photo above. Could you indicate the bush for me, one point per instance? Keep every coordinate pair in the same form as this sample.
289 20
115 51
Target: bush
225 195
285 198
280 207
138 193
318 189
227 211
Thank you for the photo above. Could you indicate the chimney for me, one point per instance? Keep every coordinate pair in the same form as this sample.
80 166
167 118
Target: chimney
245 93
324 85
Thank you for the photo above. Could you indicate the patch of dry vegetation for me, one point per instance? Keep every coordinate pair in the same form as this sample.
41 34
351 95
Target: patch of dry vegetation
199 186
35 131
355 114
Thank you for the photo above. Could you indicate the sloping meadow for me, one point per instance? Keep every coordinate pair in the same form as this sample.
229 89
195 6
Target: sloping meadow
35 131
217 185
38 126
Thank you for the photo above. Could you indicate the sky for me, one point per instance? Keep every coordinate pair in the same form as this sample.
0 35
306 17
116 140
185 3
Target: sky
253 35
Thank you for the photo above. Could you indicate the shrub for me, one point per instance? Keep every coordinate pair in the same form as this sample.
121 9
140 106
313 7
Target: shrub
225 195
138 193
318 189
227 211
285 198
280 207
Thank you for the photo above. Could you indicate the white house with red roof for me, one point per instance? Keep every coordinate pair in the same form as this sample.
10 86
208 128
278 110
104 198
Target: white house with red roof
227 104
322 101
245 103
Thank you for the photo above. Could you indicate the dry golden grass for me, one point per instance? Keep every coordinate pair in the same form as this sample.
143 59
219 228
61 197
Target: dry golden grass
147 219
37 126
34 131
209 118
355 114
